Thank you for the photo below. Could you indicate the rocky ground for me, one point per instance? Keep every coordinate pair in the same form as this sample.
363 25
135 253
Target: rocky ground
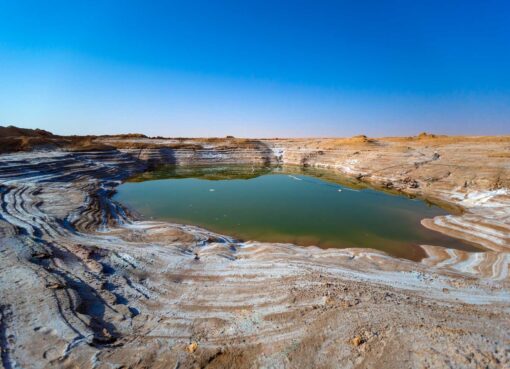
83 284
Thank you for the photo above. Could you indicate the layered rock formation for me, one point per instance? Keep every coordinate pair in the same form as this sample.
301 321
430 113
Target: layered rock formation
84 284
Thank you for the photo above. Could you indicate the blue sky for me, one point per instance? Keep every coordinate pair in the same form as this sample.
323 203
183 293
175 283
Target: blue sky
256 68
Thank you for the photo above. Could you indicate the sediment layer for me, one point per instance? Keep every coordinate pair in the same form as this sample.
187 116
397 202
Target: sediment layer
84 284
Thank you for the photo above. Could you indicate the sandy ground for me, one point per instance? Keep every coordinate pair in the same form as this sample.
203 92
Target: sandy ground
85 285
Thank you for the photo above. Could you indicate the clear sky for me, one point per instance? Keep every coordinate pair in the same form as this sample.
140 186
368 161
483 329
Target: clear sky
256 68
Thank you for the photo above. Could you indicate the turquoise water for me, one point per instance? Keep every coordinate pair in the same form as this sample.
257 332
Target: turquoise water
286 205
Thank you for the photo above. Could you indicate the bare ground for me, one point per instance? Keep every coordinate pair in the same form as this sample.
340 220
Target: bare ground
83 284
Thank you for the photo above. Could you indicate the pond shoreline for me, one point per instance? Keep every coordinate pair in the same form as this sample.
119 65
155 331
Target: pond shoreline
306 210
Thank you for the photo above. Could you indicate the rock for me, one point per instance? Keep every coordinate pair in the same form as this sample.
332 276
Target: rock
411 183
106 334
388 185
192 347
41 255
105 337
356 341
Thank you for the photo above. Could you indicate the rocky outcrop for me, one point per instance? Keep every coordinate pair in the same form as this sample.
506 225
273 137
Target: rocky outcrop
83 283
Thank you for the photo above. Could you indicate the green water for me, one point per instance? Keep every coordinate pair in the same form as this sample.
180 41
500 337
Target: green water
304 207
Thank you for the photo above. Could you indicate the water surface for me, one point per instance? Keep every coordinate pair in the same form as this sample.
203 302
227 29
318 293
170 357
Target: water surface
309 207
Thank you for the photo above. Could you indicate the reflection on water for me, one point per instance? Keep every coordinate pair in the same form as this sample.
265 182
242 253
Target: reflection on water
287 204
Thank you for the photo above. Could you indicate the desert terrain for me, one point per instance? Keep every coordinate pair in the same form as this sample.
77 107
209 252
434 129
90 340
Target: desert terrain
84 283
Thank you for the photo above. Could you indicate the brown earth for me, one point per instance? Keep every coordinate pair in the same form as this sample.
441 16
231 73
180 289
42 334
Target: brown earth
85 284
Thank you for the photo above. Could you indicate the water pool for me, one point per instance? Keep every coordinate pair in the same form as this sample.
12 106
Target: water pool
304 207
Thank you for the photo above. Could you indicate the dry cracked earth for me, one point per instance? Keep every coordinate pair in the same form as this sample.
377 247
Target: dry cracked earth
85 284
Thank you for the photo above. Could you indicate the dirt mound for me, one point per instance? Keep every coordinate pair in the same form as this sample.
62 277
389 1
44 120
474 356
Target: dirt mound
11 131
361 139
126 135
14 139
24 143
86 143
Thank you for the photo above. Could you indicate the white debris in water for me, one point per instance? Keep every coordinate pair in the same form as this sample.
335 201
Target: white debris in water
294 177
211 190
351 189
